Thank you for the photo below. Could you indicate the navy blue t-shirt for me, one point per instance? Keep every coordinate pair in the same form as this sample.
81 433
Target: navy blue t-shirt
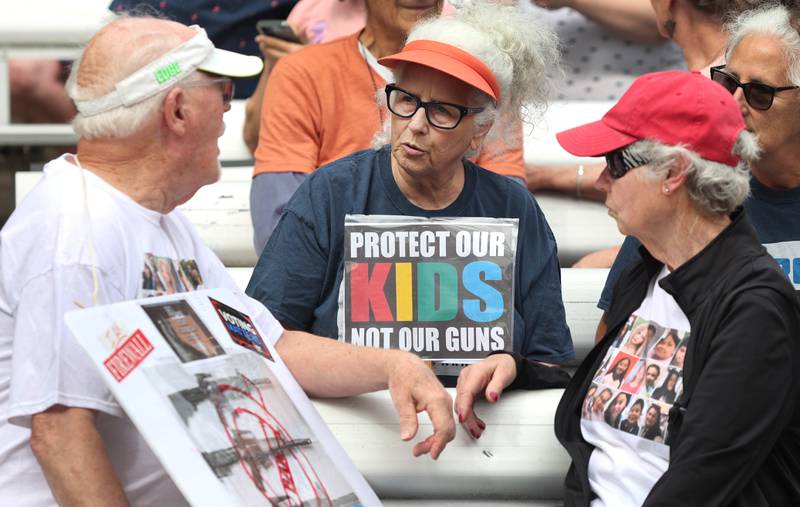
775 215
230 25
299 273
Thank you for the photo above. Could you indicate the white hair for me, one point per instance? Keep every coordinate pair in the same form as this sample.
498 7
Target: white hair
713 187
519 49
119 61
772 19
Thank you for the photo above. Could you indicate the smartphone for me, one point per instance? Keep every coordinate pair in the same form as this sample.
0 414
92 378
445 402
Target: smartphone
277 28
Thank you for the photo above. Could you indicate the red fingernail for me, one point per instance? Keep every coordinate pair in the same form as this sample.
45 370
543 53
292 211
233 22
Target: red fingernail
482 425
474 434
494 396
460 418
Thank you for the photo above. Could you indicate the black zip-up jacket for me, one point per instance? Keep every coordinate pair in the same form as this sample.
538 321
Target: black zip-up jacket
734 433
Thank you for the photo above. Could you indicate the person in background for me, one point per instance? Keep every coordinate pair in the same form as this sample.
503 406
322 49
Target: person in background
455 77
763 46
313 22
605 45
697 28
731 435
150 96
229 25
320 106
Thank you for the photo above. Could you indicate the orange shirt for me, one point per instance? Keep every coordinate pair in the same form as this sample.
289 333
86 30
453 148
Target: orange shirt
320 105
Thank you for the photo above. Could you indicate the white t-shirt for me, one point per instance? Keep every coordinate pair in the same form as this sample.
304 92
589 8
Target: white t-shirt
644 369
46 266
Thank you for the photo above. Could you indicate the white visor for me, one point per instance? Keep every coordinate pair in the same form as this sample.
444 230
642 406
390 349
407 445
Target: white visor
197 53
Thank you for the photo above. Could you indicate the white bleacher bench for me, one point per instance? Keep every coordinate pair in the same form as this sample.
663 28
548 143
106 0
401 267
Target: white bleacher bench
221 212
517 461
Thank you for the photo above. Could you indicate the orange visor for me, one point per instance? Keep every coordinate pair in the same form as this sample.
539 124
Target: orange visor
450 60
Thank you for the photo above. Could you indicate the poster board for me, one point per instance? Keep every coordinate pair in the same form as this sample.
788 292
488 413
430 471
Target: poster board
442 288
202 383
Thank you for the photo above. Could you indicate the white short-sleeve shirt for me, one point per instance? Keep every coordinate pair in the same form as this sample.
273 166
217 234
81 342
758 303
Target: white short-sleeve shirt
48 266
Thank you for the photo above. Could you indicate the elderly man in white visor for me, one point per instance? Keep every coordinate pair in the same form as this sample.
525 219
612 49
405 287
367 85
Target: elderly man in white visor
96 230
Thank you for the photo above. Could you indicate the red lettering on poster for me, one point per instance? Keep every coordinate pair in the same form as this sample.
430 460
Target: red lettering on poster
368 292
128 356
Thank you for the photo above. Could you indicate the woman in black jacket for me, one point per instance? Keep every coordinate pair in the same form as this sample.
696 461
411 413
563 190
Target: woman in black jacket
677 148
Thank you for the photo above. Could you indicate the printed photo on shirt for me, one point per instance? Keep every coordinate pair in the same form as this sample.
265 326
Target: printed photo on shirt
613 413
632 417
680 353
190 274
635 379
183 330
640 337
163 275
669 390
599 401
665 347
654 375
618 369
624 331
586 407
655 422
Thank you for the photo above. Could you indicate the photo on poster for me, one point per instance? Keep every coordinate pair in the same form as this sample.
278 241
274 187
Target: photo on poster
183 330
241 329
250 434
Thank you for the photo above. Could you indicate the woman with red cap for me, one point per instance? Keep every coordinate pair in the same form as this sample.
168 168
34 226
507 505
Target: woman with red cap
454 77
676 149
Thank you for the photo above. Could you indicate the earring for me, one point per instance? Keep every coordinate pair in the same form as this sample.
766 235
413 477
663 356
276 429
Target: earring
666 190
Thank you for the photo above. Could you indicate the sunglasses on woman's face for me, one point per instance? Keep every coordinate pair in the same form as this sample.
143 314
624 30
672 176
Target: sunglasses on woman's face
621 161
758 95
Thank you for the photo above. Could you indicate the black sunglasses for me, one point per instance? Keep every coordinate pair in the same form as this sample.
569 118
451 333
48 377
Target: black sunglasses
443 115
758 95
620 161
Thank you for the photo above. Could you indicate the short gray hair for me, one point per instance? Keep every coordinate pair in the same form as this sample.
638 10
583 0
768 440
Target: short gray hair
714 187
772 19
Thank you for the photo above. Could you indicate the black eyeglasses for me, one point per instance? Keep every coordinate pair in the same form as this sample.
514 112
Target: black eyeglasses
758 95
621 161
441 115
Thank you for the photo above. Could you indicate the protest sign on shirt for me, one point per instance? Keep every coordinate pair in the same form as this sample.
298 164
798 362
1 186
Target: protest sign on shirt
198 375
442 288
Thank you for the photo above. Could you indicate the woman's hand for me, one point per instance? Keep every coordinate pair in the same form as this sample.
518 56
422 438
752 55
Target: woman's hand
491 376
273 48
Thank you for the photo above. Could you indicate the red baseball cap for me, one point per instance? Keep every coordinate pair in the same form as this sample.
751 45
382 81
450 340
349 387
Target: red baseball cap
450 60
674 108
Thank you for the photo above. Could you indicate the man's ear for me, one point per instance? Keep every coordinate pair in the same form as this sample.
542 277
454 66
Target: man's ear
174 111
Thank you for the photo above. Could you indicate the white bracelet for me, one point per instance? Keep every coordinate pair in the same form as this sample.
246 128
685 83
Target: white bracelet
578 178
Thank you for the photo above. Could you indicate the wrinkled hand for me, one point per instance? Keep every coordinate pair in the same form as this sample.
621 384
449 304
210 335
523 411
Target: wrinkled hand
490 376
415 388
274 48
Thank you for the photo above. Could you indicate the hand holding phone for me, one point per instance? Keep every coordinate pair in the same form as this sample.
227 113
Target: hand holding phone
277 28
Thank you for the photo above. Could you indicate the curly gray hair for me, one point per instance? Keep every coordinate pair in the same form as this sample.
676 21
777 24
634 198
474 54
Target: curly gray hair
713 187
518 48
